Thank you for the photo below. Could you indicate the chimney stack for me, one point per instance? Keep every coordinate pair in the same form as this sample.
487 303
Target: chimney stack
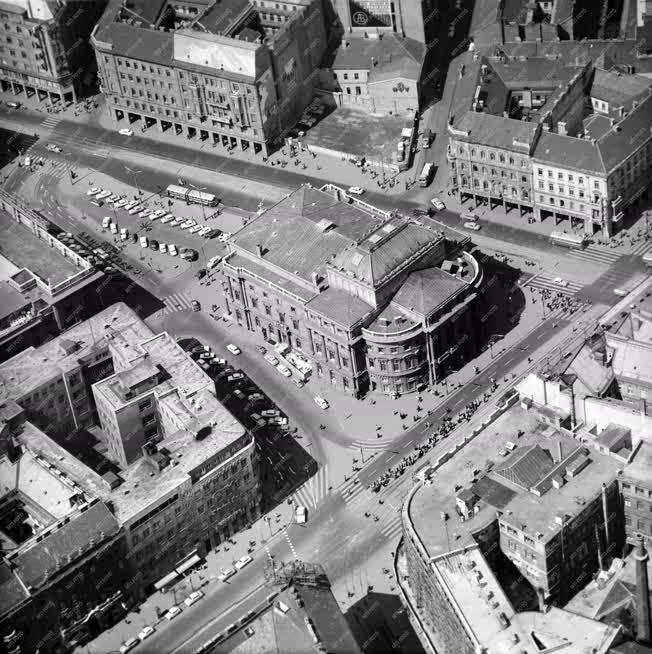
560 451
259 250
643 626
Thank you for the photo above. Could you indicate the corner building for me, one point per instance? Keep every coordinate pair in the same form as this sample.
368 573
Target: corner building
372 300
234 73
44 47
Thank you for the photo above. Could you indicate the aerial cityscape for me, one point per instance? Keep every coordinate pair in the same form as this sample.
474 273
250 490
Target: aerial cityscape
325 326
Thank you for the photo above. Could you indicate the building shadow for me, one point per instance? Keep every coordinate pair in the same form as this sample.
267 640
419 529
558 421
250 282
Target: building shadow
380 624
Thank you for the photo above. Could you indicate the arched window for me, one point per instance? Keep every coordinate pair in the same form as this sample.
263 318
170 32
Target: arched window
511 161
492 156
481 154
473 152
475 183
502 158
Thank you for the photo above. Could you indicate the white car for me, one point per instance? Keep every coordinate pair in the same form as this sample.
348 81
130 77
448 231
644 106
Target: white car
120 203
469 215
143 213
271 359
175 221
144 243
172 613
321 402
106 222
193 597
52 148
226 574
233 349
242 562
301 514
154 216
172 250
94 190
284 370
28 161
471 225
131 205
204 230
438 204
129 645
224 237
159 212
125 131
103 194
112 199
135 209
194 229
167 218
124 234
162 248
356 190
560 281
146 632
186 225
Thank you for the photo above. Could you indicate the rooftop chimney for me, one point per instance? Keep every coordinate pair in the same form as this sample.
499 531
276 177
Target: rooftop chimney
259 250
560 451
643 626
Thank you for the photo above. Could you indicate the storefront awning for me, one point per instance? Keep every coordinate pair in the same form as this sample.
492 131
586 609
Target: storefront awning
165 581
188 563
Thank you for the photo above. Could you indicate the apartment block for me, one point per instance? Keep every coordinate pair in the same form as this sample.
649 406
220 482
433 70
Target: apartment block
584 136
636 490
235 75
370 299
44 47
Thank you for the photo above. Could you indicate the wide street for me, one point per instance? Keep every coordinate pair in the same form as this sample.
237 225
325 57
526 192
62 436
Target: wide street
351 547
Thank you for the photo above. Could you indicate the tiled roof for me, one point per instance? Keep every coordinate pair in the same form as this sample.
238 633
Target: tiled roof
596 125
617 88
569 152
372 265
46 557
340 306
497 131
526 466
534 72
423 291
612 435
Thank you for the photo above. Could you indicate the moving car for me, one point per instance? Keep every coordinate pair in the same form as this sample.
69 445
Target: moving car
172 613
284 370
129 645
226 574
356 190
271 359
321 402
438 204
233 349
471 225
193 597
301 514
242 562
261 349
125 131
146 632
52 148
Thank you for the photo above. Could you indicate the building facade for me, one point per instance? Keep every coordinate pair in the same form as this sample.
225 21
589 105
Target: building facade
371 300
636 490
237 76
44 48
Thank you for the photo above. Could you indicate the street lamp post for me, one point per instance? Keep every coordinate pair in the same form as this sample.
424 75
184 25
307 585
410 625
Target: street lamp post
135 174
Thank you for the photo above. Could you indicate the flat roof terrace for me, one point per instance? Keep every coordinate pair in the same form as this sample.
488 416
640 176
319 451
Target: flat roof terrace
26 250
497 492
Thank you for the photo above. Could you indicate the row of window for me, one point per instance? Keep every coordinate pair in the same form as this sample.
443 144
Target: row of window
641 525
570 177
393 365
638 490
492 156
640 506
332 377
562 204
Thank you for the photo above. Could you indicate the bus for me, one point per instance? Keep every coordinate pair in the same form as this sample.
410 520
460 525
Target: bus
427 174
572 241
191 195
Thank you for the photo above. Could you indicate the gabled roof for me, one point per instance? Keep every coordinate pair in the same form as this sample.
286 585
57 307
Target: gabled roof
424 290
526 466
617 88
498 131
569 152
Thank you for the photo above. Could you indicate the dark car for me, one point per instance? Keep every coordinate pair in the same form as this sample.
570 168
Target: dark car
201 273
153 244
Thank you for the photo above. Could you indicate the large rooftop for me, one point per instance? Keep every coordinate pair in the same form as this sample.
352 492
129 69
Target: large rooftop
508 133
26 250
299 233
33 367
500 492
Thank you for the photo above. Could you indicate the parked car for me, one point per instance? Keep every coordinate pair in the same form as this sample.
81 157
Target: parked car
195 305
106 221
233 349
124 234
146 632
172 250
226 574
243 562
137 208
284 370
471 225
321 402
356 190
94 190
129 645
438 204
297 382
162 248
144 243
97 203
213 261
301 514
153 244
167 218
469 215
194 229
193 597
125 131
235 376
172 613
261 349
271 359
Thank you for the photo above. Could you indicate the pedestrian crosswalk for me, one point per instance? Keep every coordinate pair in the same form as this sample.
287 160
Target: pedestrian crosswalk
596 254
313 492
57 169
177 302
545 283
642 248
51 121
370 445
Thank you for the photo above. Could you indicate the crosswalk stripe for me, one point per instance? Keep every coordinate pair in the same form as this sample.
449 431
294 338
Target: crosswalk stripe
177 302
642 249
596 255
393 528
548 284
51 121
302 497
376 445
